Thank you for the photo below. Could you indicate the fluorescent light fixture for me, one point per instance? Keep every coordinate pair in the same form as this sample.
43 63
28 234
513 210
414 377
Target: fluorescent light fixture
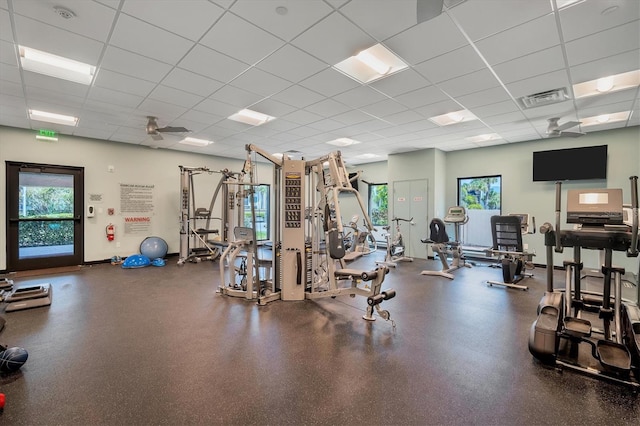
343 142
51 117
453 117
56 66
604 119
367 156
484 138
195 142
607 84
371 64
251 117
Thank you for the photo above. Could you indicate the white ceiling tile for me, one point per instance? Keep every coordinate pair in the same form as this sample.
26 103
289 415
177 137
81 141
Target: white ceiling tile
212 106
92 20
165 111
616 64
105 95
291 63
329 82
328 108
191 82
401 82
209 63
418 43
359 97
128 63
8 54
10 73
469 83
623 97
541 62
367 14
573 18
352 117
196 116
533 36
606 43
235 96
326 125
486 17
147 40
260 82
383 108
11 92
298 96
175 96
238 39
485 97
302 117
333 39
48 38
191 19
404 117
424 96
6 32
33 81
273 108
299 16
123 83
450 65
498 108
438 108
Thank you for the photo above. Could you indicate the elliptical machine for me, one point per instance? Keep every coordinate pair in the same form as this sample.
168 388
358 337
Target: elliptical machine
564 334
440 244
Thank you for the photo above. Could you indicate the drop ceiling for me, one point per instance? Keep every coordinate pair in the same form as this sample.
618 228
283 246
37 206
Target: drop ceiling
194 63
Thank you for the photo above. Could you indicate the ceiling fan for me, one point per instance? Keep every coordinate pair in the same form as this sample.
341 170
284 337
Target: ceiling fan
555 129
154 130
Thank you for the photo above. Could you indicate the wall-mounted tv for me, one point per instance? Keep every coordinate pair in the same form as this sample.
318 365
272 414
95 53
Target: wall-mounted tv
588 162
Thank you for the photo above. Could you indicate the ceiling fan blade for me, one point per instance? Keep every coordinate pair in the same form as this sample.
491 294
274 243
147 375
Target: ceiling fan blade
428 9
572 134
567 125
170 129
157 137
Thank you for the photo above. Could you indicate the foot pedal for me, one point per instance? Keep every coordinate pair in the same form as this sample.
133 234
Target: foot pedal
577 327
614 357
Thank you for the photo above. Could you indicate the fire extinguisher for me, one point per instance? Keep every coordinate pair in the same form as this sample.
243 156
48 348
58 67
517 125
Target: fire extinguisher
111 232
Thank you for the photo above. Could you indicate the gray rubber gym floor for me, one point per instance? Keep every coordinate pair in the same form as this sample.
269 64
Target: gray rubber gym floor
159 346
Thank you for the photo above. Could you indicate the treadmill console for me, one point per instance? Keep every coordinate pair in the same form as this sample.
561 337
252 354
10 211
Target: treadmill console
594 207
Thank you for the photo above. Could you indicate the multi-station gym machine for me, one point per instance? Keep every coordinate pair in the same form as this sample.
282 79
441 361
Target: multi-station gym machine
307 253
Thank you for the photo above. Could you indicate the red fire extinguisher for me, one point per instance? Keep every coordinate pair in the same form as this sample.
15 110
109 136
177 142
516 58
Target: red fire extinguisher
111 232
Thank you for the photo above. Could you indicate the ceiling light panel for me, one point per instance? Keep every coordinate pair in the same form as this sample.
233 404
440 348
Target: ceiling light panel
342 142
604 119
371 64
453 118
56 66
251 117
607 84
195 142
51 117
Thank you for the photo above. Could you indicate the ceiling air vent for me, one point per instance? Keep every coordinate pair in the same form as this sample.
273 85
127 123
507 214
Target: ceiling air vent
544 98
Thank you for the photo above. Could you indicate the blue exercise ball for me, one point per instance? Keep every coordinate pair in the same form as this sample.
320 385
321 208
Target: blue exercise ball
154 247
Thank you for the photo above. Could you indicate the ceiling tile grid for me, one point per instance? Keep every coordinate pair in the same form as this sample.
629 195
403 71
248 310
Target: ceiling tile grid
195 63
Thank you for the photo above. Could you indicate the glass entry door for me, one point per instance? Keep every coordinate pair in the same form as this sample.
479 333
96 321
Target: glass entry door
44 211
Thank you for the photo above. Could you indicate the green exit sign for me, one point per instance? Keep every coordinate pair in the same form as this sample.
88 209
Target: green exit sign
48 133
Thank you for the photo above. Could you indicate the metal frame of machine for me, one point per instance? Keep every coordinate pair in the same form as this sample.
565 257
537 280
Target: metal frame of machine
308 253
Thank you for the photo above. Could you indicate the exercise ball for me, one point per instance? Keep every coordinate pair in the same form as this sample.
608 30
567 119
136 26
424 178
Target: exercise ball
12 359
154 247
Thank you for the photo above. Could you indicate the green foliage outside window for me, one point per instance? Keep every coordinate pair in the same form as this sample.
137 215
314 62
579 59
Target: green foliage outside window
379 204
45 203
480 193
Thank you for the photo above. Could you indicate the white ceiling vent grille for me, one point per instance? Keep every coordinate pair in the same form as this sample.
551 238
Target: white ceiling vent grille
544 98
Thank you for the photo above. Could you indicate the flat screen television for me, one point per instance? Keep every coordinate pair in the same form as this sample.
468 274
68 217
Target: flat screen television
584 163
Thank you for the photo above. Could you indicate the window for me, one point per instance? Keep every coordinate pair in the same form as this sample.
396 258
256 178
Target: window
378 204
260 194
481 196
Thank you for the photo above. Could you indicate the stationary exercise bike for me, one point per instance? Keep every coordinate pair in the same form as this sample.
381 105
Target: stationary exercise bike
395 249
441 245
358 241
